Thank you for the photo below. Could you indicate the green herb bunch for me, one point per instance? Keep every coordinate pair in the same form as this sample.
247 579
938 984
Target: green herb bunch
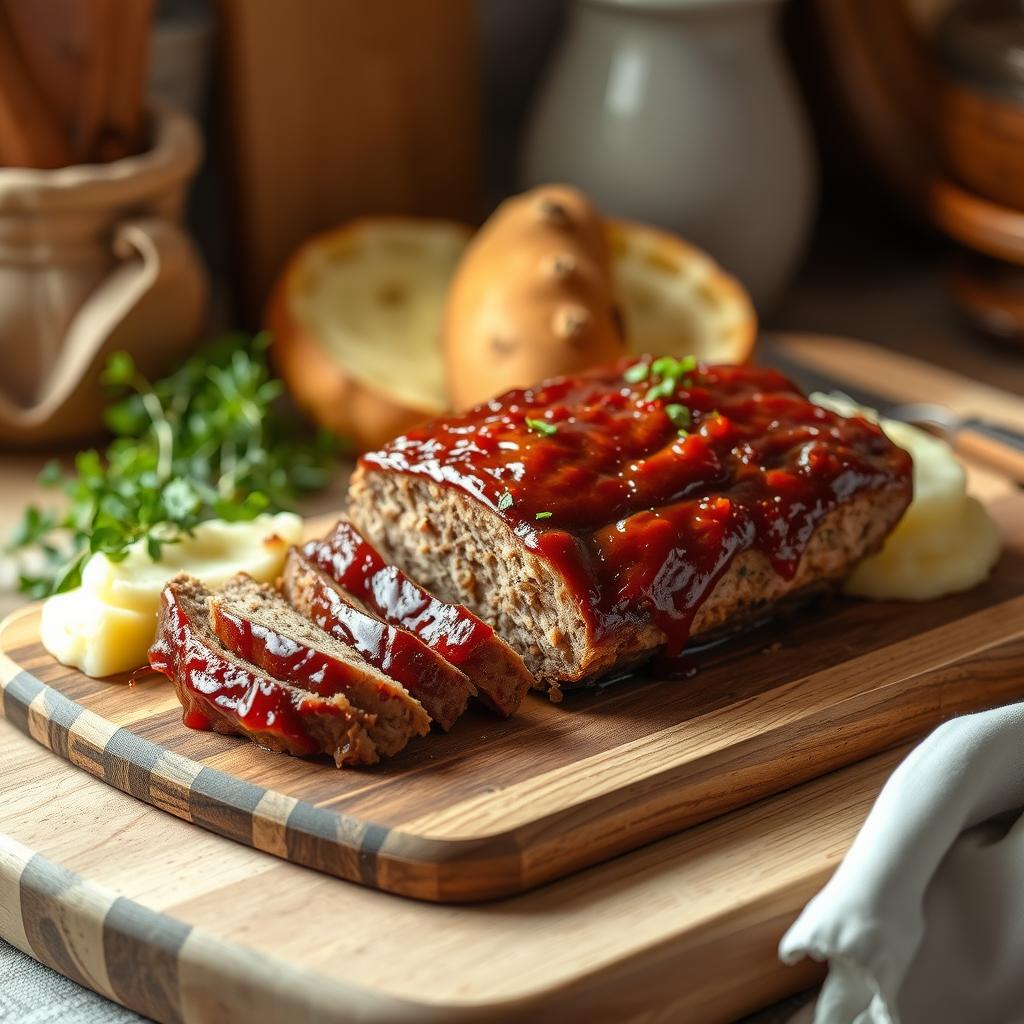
210 441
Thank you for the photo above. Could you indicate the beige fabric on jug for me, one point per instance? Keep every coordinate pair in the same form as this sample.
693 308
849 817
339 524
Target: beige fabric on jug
93 259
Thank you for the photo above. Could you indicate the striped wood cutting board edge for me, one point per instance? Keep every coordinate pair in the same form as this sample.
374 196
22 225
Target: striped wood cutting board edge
189 928
497 807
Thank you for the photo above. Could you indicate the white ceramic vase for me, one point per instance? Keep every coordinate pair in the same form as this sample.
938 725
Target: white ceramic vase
683 113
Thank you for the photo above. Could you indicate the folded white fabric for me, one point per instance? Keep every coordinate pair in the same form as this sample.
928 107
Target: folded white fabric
923 922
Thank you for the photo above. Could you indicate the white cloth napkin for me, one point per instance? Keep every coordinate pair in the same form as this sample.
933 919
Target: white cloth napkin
923 922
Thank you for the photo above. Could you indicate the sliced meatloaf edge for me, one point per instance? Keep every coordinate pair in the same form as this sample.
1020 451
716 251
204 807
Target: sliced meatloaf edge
439 686
255 622
232 696
454 631
465 553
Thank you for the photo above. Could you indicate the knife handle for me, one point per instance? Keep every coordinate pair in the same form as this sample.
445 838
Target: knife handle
998 447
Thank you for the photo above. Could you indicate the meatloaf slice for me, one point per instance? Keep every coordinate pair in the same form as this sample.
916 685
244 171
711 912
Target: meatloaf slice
596 520
439 686
450 629
254 622
221 692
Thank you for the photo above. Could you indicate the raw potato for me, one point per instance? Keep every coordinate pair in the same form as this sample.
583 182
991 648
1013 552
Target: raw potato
532 297
946 541
106 625
356 320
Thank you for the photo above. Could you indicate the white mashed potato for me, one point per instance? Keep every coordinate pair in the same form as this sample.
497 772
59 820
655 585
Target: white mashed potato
107 624
946 540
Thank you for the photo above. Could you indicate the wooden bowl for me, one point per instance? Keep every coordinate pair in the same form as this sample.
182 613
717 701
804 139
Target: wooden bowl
990 294
987 283
980 224
983 143
981 124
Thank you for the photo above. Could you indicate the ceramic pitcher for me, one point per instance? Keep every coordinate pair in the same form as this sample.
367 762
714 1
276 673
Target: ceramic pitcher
93 259
683 113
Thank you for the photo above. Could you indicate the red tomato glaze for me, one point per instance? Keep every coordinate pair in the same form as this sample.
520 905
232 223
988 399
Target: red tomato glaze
642 500
218 692
285 657
351 561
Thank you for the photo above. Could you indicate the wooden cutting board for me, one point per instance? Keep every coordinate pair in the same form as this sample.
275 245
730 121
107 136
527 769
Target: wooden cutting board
189 928
498 807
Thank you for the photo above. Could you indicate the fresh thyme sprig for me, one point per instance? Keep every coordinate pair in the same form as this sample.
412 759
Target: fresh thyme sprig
209 441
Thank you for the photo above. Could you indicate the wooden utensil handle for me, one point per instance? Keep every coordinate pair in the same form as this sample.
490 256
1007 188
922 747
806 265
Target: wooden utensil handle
30 135
999 447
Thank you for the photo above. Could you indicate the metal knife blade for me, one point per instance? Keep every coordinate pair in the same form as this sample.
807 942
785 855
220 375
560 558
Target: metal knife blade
809 379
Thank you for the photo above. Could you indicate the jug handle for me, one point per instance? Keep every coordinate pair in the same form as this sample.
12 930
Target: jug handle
149 250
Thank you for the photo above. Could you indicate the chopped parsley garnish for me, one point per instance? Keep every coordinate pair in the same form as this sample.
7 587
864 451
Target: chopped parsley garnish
678 414
504 501
543 515
542 427
665 388
636 373
666 366
669 372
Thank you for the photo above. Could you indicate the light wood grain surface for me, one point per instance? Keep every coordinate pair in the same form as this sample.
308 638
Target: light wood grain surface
902 378
184 925
499 806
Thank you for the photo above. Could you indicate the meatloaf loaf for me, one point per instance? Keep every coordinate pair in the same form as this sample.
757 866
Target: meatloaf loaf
221 692
596 520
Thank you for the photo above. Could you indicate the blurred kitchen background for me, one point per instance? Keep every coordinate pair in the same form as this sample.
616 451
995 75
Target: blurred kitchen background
857 164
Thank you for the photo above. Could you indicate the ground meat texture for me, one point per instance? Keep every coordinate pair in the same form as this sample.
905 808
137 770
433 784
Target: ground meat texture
594 521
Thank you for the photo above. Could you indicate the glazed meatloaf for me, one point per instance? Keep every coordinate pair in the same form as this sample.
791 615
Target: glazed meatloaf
452 630
221 692
254 622
439 686
596 520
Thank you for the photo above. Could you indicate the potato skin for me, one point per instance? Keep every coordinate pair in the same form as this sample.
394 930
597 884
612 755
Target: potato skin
532 297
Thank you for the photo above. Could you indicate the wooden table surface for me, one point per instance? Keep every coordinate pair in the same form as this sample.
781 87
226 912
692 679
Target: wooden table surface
145 896
876 310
